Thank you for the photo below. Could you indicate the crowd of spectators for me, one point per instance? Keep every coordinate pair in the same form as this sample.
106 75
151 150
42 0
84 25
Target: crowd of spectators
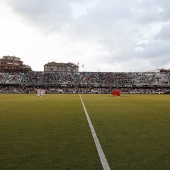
68 78
3 77
33 77
104 79
49 78
14 78
75 90
11 89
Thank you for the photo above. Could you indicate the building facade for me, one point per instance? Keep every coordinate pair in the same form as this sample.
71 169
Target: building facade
12 63
61 67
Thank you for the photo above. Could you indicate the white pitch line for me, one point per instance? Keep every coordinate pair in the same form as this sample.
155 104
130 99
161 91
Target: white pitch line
96 140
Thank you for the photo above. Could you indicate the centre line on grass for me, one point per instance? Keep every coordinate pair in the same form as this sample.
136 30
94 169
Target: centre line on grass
96 140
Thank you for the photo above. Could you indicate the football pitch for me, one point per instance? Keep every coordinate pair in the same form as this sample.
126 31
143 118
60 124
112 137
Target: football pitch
52 132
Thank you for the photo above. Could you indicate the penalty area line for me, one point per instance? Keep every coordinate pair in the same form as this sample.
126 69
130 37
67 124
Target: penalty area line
96 140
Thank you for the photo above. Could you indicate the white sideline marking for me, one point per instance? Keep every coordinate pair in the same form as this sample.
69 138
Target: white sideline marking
96 140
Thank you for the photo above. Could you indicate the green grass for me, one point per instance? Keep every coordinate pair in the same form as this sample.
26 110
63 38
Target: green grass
51 132
134 130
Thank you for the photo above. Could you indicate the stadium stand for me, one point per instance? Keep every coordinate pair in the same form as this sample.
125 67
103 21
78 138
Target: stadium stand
3 77
85 82
14 78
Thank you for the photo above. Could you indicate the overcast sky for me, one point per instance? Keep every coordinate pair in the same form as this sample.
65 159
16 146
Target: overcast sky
104 35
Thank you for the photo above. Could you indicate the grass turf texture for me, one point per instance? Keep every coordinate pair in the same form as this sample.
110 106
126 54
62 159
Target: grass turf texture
134 130
51 132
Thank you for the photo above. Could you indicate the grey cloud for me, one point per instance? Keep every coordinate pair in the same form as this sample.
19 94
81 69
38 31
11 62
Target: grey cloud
44 14
157 53
153 11
154 49
104 18
116 26
164 33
